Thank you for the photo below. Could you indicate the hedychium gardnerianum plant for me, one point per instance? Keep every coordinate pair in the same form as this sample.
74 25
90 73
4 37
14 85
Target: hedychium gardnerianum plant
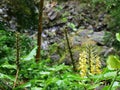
89 60
17 58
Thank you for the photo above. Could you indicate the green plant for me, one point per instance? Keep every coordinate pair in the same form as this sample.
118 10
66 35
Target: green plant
43 76
7 46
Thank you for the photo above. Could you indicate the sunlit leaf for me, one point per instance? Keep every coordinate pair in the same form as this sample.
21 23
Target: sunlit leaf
72 76
116 84
31 55
113 62
60 67
109 75
118 36
72 26
45 73
59 82
106 88
8 66
64 19
3 76
36 88
28 84
92 87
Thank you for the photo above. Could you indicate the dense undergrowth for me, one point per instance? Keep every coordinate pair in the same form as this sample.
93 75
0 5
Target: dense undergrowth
46 76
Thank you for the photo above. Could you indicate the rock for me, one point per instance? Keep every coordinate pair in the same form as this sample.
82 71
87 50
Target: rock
103 50
98 37
85 33
79 37
90 27
52 15
100 87
1 11
109 51
5 15
76 41
44 45
55 58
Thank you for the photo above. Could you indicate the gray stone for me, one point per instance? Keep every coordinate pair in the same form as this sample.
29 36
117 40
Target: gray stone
55 57
98 37
85 33
1 11
52 15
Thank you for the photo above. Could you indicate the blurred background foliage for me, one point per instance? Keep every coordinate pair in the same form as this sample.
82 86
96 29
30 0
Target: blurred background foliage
23 13
112 7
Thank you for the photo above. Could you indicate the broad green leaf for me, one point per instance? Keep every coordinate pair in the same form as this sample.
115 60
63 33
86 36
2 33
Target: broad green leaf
28 84
45 73
106 88
92 87
72 26
51 69
64 19
50 81
118 36
8 66
109 75
113 62
98 78
115 84
31 55
60 67
36 88
59 82
72 77
3 76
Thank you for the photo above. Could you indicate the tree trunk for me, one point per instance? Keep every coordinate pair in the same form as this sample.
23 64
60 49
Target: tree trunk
38 56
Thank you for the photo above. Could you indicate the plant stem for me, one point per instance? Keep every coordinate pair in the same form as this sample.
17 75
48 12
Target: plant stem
17 59
110 88
69 48
16 78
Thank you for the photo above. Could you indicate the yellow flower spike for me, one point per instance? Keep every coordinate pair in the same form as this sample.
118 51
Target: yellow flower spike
82 64
98 65
92 64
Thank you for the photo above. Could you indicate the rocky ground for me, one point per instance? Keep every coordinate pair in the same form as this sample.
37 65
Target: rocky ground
82 20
